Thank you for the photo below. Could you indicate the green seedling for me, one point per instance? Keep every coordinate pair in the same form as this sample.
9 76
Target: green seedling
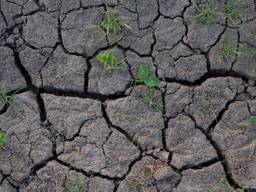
110 61
233 12
227 51
135 186
2 139
144 77
113 24
6 98
250 53
253 120
205 14
152 100
74 188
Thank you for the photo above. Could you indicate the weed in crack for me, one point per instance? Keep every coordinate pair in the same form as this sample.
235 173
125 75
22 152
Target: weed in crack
253 120
144 77
3 139
74 188
226 51
135 185
152 99
7 99
113 24
205 14
233 12
110 62
251 54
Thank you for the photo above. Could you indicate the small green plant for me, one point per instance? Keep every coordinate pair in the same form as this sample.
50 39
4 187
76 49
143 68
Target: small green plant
144 77
6 98
205 14
74 188
227 51
113 24
250 53
110 61
253 120
233 12
152 99
2 139
135 186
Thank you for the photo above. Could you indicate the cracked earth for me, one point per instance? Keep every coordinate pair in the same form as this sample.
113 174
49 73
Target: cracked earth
72 124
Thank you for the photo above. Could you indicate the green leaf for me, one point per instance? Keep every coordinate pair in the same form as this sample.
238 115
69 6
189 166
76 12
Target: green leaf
74 188
101 57
143 72
152 81
253 120
2 139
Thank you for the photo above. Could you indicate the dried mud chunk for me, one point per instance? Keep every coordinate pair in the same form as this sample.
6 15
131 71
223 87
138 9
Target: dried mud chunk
139 40
191 68
137 118
81 31
147 12
235 136
119 154
103 82
246 64
172 8
86 3
188 145
177 97
41 30
64 71
109 156
211 98
167 59
149 175
209 178
68 114
28 142
10 10
10 76
2 26
92 145
167 37
7 187
55 176
33 60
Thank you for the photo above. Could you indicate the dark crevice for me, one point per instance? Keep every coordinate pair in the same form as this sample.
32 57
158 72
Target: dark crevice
21 68
45 63
35 168
81 94
224 163
219 117
13 185
87 173
163 93
127 135
220 153
201 165
210 74
41 105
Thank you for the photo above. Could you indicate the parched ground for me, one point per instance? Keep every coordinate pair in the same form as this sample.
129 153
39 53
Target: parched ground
70 124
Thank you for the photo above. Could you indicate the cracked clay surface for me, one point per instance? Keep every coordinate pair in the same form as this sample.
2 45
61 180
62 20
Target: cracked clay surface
72 125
